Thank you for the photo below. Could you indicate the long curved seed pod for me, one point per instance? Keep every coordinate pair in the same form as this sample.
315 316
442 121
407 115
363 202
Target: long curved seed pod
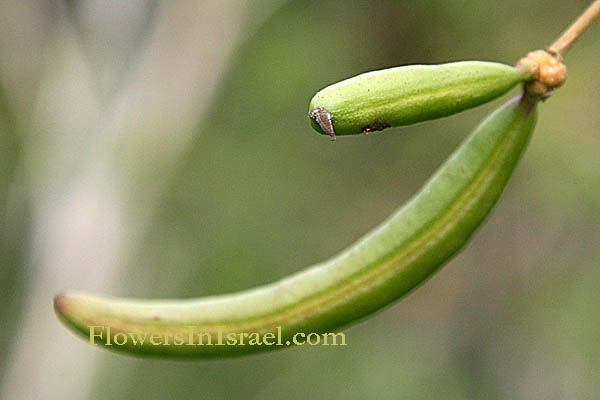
406 95
381 267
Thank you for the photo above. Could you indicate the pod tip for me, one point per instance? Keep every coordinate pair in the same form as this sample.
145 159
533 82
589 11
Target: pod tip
61 306
324 118
58 303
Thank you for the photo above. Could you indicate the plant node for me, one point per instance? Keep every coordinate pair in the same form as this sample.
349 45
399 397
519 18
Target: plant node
547 72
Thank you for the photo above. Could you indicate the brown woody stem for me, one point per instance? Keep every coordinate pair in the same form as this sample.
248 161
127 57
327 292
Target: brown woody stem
568 37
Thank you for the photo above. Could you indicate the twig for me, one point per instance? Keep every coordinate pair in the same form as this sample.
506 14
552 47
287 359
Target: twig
568 37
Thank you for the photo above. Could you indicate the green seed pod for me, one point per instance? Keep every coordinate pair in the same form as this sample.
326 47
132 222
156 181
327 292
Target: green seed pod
406 95
383 266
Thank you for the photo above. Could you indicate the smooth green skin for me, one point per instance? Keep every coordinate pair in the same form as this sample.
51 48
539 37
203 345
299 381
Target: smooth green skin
415 93
381 267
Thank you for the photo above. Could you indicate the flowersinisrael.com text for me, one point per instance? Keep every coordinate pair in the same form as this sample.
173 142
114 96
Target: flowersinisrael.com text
102 335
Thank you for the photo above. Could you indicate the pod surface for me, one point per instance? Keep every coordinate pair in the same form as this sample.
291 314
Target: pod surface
410 94
384 265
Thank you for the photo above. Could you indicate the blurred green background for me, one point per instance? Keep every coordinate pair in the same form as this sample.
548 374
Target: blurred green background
162 149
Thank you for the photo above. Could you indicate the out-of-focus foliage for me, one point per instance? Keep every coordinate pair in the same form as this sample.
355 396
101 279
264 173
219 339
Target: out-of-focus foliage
243 192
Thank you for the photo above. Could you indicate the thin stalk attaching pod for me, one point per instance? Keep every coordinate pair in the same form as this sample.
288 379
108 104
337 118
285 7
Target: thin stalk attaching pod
380 268
563 43
546 66
406 95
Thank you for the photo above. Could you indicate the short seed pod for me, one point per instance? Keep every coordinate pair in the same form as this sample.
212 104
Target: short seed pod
406 95
383 266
